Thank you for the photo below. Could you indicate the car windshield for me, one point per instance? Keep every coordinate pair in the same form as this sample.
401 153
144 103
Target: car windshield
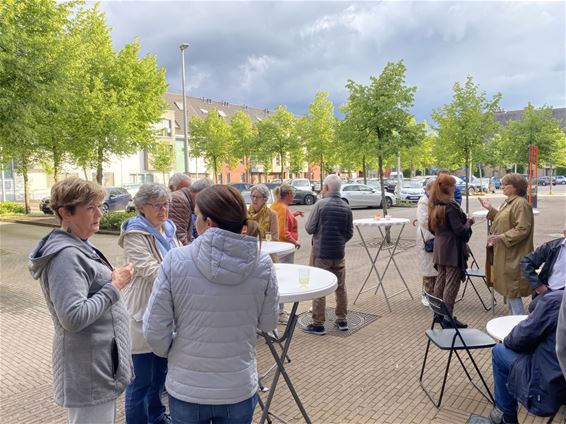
301 183
412 184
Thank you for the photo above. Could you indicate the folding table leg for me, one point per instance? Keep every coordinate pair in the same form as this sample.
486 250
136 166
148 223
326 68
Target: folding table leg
280 370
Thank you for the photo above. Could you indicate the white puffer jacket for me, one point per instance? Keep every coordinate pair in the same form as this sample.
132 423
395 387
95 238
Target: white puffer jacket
207 302
426 264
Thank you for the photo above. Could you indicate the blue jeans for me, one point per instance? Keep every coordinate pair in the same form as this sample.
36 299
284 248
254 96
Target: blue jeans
193 413
502 361
143 394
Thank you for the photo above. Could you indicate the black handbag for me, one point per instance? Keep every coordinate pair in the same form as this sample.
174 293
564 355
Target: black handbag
428 244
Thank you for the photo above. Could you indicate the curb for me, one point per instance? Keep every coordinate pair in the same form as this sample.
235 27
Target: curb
47 224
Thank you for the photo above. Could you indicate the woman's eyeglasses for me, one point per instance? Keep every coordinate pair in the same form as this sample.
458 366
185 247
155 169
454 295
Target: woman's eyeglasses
158 206
258 197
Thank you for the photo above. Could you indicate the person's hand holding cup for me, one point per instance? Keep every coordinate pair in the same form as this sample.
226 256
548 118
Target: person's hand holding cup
123 272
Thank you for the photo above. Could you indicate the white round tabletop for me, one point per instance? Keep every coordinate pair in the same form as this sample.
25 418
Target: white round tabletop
483 213
321 283
277 247
500 327
372 222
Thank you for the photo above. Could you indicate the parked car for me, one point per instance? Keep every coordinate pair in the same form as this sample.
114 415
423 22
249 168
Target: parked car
560 179
300 183
272 186
411 190
305 197
315 185
544 181
241 186
461 184
116 199
361 195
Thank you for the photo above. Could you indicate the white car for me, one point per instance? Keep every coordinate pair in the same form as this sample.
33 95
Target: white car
364 196
411 190
300 184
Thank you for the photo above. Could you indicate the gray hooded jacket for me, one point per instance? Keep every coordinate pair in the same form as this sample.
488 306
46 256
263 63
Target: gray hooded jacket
207 302
91 346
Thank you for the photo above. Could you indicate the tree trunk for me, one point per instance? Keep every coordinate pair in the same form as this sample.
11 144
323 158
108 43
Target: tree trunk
467 173
383 199
550 188
85 173
99 160
282 166
321 168
24 169
215 167
364 169
56 164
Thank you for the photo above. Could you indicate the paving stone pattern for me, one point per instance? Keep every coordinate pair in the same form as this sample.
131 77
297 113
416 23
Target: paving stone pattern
371 376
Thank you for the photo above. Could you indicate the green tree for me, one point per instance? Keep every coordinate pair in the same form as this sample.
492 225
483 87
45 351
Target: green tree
32 69
244 134
354 149
212 139
537 127
419 156
382 108
277 135
162 158
121 96
317 131
464 125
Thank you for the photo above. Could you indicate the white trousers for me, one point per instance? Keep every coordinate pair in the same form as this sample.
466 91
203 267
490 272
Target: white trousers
105 413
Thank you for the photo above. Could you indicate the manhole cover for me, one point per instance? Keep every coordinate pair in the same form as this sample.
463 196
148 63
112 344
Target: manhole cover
356 321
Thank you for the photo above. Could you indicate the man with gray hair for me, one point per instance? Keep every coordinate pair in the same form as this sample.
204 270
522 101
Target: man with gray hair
330 223
195 189
182 206
178 181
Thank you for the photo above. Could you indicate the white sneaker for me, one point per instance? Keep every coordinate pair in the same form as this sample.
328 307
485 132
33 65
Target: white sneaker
424 301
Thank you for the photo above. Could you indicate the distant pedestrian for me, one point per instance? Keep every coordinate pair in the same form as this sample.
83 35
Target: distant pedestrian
91 361
331 225
195 189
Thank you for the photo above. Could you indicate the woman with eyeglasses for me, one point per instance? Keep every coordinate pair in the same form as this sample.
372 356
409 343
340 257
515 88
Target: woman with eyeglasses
146 239
265 218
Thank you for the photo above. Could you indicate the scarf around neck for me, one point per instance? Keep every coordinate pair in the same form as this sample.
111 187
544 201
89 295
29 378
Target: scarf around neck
262 217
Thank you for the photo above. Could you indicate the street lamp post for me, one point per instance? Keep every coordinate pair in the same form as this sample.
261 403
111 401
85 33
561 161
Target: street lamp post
184 46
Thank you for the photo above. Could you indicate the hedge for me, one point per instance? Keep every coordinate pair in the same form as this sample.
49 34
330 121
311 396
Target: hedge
113 220
11 208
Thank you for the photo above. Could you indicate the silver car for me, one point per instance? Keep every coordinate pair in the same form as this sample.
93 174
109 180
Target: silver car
364 196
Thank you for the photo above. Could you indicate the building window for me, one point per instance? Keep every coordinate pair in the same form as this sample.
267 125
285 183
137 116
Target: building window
228 178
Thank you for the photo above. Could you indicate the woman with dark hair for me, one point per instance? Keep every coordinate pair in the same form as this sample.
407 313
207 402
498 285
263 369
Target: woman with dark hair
452 231
511 238
146 239
92 364
207 302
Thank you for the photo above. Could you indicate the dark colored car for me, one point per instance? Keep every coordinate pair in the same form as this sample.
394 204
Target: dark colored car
241 186
304 197
116 199
544 181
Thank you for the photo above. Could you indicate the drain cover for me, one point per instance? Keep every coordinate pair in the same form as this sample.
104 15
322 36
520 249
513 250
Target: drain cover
356 321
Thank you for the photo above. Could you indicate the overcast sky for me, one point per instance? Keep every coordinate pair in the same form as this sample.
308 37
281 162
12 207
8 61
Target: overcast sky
266 54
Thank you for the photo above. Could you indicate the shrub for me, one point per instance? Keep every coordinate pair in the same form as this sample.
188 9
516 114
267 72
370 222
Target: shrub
11 208
113 220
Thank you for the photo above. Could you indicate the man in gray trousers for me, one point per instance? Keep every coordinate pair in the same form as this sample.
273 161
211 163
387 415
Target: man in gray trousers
330 223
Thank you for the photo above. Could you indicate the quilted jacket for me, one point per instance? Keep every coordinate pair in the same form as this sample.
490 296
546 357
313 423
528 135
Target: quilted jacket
207 302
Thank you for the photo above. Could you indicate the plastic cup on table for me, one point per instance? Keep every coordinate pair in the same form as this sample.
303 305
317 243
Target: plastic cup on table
304 278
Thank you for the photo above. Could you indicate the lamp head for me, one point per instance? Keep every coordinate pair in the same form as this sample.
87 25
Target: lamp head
184 46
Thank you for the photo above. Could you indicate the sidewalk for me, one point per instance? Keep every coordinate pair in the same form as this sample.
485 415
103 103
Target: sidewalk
370 376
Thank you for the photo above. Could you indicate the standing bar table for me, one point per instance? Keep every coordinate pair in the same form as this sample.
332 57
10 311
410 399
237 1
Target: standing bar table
279 248
380 224
321 283
500 327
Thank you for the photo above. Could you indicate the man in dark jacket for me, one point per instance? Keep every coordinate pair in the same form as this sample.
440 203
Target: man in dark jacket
181 206
553 274
525 366
331 225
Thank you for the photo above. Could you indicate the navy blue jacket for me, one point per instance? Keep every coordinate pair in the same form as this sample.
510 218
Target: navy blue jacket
330 223
536 379
458 196
545 253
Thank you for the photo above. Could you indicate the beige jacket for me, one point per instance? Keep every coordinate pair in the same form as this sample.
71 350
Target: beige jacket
514 220
142 250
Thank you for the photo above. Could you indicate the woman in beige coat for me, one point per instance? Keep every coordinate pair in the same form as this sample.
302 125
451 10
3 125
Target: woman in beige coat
511 238
146 239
